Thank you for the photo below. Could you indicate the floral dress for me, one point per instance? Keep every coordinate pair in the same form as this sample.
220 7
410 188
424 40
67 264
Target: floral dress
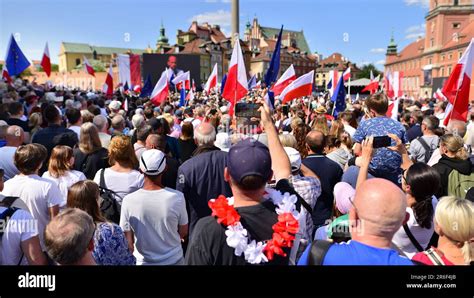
110 246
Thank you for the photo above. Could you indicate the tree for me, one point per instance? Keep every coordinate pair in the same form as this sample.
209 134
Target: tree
365 71
97 65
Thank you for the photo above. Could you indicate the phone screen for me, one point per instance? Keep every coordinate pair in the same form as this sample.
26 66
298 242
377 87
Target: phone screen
247 110
382 141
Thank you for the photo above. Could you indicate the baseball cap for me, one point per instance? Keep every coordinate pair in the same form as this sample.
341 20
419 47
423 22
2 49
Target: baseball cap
249 157
178 114
295 158
343 195
152 162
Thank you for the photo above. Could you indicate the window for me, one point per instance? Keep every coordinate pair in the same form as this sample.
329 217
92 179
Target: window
456 2
441 72
456 25
443 57
432 42
430 60
449 70
78 61
450 56
459 54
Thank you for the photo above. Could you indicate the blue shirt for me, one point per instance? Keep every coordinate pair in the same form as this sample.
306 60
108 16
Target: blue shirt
384 160
110 246
356 253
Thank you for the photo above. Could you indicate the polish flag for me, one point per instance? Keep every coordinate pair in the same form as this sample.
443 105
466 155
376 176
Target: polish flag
194 86
397 83
109 82
347 74
46 61
182 77
125 104
458 85
161 90
333 79
88 67
212 80
129 70
5 75
302 86
373 86
190 95
387 82
285 80
236 84
439 95
392 111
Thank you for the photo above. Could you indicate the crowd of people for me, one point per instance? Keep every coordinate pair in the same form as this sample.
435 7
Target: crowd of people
89 180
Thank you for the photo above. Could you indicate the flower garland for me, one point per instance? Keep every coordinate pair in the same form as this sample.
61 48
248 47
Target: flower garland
237 236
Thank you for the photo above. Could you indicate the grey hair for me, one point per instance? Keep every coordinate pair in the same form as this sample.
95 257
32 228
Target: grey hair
138 121
100 121
205 139
68 236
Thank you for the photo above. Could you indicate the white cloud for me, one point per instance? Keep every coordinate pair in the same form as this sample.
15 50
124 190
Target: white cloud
422 3
413 32
380 62
220 17
377 50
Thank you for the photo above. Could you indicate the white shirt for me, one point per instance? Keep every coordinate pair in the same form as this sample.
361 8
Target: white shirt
154 217
7 154
422 235
20 227
39 194
121 183
64 182
77 130
350 130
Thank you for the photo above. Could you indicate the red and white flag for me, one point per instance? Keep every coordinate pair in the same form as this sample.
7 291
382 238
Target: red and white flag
236 84
129 70
392 111
190 95
46 61
347 74
161 90
333 78
458 86
88 67
182 77
125 104
5 75
212 80
109 82
397 83
302 86
194 86
439 95
286 78
373 86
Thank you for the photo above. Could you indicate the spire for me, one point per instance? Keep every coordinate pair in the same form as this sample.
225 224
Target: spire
392 46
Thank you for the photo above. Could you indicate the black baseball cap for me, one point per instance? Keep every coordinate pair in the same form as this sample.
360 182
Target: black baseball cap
247 158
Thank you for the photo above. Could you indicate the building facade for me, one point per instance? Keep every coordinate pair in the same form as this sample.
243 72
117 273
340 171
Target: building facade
334 62
427 62
294 49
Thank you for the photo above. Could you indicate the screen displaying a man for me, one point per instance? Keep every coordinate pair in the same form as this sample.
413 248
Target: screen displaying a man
172 66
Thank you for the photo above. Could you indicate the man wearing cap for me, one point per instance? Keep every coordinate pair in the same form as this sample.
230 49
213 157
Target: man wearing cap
154 218
249 168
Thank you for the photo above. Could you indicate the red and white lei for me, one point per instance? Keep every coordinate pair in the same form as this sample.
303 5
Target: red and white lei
237 236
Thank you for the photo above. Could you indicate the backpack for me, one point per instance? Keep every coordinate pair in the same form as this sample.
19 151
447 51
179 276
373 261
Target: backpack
7 202
109 206
428 150
318 251
459 184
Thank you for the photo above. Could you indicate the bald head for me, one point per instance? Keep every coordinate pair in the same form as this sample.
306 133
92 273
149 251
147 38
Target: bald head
205 134
381 206
316 141
154 141
15 136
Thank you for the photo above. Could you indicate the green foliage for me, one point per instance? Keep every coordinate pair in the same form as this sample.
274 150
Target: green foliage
365 71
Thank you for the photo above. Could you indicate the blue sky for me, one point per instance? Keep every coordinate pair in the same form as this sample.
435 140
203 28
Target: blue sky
359 29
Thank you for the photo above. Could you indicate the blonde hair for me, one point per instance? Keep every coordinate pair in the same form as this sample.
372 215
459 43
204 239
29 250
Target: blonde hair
121 151
321 124
89 141
288 140
59 161
455 145
455 217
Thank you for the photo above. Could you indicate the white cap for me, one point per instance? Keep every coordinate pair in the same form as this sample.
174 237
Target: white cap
224 109
223 141
295 158
115 105
152 162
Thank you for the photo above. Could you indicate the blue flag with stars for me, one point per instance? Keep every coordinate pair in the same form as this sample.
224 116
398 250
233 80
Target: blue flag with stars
147 87
339 97
16 61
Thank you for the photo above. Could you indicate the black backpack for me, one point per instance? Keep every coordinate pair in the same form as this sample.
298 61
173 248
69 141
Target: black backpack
109 206
428 150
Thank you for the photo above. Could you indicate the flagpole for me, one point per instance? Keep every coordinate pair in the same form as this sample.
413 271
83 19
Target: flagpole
350 88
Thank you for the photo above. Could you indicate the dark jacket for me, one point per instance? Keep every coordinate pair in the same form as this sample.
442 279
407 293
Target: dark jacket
200 179
444 168
89 164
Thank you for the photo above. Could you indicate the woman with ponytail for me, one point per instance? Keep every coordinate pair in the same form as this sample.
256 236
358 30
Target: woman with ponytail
453 157
454 223
419 182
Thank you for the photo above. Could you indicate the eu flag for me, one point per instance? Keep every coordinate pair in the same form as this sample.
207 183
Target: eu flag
224 79
16 61
147 87
272 72
182 97
339 97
